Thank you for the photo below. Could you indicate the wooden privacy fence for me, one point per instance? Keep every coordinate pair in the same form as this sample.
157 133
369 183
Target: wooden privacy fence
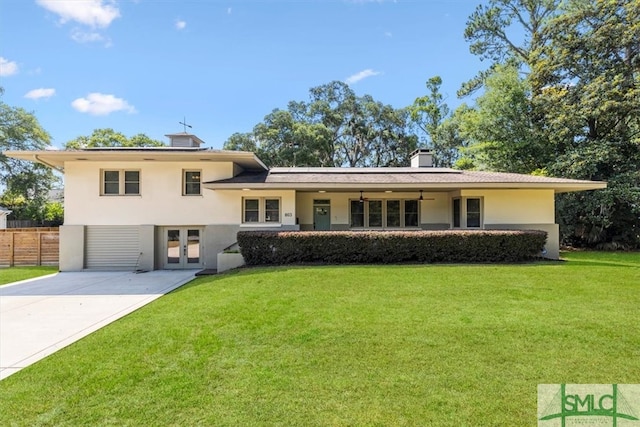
29 246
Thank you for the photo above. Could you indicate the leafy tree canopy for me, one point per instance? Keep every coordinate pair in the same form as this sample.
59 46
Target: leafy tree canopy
573 114
110 138
334 128
24 185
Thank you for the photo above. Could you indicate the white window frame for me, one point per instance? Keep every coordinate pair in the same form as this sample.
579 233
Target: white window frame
121 182
464 212
262 210
384 226
184 182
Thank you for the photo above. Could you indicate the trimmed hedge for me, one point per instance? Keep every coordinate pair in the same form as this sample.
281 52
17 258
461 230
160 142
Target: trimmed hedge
389 247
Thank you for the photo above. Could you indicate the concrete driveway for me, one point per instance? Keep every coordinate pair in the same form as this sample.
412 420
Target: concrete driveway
40 316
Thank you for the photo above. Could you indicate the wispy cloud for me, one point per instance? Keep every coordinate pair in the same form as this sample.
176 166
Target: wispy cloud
7 68
180 24
94 13
40 93
99 104
229 11
81 36
388 34
370 1
360 76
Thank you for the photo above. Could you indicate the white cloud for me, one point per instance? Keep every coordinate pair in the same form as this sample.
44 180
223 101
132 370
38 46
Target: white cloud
99 104
86 37
94 13
180 24
228 11
360 76
7 68
40 93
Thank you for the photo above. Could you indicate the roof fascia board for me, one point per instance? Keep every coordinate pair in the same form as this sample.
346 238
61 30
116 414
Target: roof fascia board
557 187
56 159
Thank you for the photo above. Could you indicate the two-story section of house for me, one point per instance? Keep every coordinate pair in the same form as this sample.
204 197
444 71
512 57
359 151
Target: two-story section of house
179 206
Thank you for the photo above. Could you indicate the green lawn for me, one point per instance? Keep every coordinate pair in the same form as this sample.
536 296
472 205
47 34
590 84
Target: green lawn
15 274
436 345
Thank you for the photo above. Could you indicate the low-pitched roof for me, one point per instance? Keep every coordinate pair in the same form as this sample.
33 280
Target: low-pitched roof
257 176
57 158
367 179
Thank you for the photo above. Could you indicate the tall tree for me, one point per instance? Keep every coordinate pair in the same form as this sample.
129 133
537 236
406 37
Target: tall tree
110 138
500 128
334 128
507 31
24 185
578 104
591 76
439 131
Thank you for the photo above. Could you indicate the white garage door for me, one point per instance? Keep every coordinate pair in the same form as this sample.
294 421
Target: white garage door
112 247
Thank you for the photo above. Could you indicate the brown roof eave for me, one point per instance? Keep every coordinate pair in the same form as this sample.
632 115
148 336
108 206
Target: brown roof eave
557 187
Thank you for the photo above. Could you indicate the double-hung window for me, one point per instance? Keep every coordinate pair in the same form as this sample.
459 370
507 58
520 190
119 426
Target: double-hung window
261 210
251 210
191 183
393 213
384 213
467 212
411 213
357 213
118 182
271 210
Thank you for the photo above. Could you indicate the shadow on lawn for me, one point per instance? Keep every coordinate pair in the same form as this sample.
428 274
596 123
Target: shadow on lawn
601 263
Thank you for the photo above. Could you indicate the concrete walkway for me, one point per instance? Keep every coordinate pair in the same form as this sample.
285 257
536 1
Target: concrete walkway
40 316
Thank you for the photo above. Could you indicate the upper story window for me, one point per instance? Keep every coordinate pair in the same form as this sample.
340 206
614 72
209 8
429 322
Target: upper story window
191 183
467 212
118 182
261 210
384 213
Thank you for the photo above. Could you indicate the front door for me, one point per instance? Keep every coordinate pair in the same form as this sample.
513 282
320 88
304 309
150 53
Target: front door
321 216
183 248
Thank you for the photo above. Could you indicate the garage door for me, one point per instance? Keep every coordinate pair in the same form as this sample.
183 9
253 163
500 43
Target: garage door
112 247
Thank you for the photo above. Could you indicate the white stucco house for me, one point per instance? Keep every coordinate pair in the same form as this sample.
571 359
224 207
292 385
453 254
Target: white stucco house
180 206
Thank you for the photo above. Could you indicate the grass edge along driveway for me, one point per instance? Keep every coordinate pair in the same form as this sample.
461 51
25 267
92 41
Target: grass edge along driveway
17 274
440 345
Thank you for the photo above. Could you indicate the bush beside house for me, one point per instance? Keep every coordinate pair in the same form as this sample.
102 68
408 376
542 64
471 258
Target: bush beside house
389 247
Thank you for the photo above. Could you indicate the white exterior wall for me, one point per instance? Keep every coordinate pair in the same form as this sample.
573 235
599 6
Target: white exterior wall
229 206
516 206
160 201
160 204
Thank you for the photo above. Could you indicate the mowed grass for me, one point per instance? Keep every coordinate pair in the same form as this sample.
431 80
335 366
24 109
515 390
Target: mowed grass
16 274
443 345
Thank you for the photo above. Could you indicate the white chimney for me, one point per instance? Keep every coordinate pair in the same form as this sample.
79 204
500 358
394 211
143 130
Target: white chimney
422 158
184 139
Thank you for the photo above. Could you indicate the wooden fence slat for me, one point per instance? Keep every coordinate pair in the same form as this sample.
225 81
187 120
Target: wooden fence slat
30 246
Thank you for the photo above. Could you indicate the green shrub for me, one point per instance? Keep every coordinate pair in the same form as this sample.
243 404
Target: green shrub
389 247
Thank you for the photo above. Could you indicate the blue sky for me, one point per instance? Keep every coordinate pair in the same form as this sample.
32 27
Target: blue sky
140 66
